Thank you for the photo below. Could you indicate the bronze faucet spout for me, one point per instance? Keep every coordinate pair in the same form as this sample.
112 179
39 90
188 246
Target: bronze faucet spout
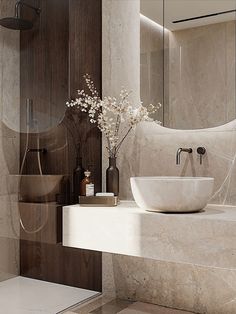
179 151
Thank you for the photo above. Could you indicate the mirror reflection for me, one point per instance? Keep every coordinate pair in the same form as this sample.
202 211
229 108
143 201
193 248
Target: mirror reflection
188 61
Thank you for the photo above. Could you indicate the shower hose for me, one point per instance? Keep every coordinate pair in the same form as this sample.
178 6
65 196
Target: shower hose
41 174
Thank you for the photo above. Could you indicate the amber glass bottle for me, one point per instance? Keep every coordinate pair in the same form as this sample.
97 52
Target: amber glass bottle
86 186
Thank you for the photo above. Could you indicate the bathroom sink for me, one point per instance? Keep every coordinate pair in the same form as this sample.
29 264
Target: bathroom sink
172 194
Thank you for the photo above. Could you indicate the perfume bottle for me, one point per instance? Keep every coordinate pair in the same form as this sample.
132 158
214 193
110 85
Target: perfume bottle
78 176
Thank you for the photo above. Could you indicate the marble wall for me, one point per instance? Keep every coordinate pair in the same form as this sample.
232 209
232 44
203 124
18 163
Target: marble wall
120 57
151 151
9 145
201 89
189 287
197 88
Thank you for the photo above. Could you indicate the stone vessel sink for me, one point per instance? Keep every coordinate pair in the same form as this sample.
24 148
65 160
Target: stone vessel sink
172 194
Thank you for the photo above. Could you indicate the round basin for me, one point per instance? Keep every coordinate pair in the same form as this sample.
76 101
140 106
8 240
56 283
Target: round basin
172 194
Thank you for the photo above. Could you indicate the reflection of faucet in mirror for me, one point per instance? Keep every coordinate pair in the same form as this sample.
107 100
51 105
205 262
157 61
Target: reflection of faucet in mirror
179 151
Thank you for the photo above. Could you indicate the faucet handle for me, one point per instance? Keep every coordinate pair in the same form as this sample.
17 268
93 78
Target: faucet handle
201 151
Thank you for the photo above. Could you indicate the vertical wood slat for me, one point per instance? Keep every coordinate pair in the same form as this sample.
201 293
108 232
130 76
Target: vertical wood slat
46 79
85 57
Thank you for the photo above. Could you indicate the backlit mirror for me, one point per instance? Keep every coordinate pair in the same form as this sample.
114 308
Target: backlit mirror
188 61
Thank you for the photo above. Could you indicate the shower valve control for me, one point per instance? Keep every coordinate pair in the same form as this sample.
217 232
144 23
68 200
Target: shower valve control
201 151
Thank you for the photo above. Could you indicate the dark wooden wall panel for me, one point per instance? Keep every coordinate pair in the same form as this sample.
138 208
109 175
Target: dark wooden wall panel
55 263
64 45
45 62
85 57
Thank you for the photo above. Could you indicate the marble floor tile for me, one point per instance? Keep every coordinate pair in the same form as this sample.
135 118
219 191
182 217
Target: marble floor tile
112 307
116 306
144 308
91 305
102 305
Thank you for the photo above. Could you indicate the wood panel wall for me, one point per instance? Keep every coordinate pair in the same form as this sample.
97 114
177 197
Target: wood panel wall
64 45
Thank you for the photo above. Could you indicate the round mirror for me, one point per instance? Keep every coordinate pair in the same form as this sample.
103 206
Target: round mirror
188 61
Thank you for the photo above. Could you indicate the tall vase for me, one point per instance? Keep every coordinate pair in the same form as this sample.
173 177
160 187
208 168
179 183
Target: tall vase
78 176
112 177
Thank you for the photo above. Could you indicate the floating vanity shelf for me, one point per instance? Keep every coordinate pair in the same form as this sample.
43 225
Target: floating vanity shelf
206 238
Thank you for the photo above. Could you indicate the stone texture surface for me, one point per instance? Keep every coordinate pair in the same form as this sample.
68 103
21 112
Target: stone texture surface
9 144
108 276
144 308
183 286
157 146
103 305
202 76
205 238
91 305
151 151
120 57
211 290
112 307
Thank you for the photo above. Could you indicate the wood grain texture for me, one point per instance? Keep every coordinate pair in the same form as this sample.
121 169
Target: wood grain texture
85 57
55 263
64 45
44 53
34 216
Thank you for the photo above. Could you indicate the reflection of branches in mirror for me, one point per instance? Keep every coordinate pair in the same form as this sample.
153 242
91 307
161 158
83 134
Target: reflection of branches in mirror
76 123
72 122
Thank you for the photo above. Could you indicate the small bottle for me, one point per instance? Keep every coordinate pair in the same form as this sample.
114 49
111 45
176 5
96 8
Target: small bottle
87 187
78 176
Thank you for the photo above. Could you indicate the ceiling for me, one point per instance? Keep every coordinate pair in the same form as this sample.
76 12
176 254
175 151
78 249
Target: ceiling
183 9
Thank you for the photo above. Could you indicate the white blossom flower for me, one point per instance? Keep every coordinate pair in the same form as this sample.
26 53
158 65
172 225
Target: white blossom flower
115 118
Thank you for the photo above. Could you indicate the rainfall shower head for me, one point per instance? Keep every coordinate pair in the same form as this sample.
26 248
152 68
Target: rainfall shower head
16 22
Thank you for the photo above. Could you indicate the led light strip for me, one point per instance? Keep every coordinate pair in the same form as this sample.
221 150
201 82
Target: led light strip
203 16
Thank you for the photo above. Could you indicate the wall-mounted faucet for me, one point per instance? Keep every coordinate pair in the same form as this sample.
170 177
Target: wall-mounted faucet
179 151
201 151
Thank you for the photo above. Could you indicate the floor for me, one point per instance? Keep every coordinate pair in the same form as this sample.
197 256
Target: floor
102 306
21 295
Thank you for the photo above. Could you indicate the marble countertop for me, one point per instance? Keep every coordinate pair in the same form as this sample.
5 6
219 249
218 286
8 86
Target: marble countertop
206 238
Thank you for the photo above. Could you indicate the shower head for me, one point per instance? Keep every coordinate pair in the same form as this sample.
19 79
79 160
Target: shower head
16 22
